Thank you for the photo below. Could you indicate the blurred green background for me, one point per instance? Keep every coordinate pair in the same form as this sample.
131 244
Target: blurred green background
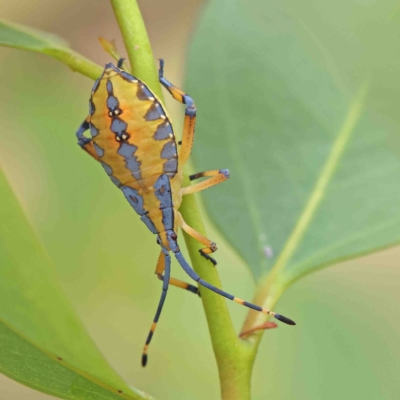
346 344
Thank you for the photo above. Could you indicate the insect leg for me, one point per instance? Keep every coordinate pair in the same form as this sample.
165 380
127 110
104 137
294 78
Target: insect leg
216 177
172 281
211 247
189 270
190 115
159 308
85 142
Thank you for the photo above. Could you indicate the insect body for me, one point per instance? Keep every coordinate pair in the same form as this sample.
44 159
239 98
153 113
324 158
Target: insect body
133 139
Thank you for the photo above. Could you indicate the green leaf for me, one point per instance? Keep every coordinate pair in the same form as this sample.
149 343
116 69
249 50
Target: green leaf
43 344
22 37
300 101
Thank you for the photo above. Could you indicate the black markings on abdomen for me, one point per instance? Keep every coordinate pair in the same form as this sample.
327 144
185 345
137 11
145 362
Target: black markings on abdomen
163 193
143 93
112 101
164 131
162 188
92 108
127 151
109 172
169 150
134 199
119 128
155 112
99 151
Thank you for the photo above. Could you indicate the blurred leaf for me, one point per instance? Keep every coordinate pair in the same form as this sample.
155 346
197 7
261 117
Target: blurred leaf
300 101
43 343
22 37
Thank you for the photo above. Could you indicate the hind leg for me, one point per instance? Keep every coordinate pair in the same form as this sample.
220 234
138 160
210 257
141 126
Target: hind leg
159 308
172 281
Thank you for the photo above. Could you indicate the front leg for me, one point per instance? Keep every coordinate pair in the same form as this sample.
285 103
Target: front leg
190 115
85 142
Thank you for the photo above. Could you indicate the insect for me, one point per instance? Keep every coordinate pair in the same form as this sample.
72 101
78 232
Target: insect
133 139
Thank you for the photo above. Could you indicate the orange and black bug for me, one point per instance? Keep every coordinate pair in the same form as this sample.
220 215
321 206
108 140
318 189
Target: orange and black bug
133 139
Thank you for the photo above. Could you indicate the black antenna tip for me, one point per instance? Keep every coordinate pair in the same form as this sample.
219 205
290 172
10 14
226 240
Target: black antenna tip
284 319
144 360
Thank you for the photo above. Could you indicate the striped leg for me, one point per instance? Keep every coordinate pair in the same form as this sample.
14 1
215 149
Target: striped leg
190 115
159 308
84 142
189 270
172 281
211 247
216 176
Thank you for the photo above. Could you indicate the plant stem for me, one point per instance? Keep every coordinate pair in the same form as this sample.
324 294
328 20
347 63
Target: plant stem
234 356
22 37
76 62
137 43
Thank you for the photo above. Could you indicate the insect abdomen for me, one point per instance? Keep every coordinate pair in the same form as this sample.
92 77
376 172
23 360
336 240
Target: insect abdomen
132 134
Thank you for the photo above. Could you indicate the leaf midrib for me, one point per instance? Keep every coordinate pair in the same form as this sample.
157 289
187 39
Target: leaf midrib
289 278
324 178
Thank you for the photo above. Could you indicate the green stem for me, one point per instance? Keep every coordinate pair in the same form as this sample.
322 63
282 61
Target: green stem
22 37
137 43
234 357
76 62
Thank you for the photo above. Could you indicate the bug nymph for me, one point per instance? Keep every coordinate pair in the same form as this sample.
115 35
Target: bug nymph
133 139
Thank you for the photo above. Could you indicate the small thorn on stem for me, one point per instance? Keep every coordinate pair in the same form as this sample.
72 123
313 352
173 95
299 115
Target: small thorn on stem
264 326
